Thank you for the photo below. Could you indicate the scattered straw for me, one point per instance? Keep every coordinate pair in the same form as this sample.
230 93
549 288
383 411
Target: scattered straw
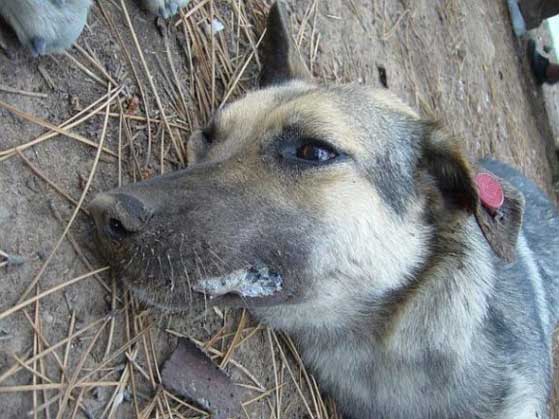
7 89
76 210
54 289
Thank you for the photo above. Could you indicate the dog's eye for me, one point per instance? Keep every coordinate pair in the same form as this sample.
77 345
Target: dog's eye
315 153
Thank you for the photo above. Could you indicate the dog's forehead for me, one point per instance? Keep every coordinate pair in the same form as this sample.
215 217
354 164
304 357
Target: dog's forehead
359 120
259 106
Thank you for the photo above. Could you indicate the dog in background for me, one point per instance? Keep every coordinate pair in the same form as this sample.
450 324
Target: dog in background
337 214
50 26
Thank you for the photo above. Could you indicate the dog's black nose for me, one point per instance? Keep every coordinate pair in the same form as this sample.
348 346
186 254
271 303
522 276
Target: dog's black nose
119 215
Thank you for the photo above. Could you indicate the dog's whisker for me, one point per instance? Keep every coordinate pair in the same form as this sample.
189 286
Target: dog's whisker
200 277
187 297
172 272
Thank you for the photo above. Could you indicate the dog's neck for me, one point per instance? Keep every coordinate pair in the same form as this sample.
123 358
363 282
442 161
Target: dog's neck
447 303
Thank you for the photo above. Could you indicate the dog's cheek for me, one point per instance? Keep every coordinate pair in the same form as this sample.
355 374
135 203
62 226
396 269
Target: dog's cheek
285 245
364 239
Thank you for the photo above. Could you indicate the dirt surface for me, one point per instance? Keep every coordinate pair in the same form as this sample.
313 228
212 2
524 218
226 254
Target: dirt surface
455 61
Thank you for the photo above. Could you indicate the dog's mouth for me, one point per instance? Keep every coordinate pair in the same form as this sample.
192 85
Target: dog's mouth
255 282
255 286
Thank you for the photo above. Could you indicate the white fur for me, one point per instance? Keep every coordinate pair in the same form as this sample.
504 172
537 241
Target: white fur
164 8
535 278
521 403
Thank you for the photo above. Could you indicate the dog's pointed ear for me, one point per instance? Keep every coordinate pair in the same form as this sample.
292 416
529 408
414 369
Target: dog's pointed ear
280 58
455 178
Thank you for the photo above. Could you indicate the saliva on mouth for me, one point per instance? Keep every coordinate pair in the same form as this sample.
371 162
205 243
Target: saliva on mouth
256 281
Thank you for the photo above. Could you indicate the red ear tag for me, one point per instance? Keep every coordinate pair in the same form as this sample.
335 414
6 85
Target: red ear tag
490 191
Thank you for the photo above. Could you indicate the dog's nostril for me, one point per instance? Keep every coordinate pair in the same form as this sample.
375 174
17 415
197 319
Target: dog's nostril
117 229
119 215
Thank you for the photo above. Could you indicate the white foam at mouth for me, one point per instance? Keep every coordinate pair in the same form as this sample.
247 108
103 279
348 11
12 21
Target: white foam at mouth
246 283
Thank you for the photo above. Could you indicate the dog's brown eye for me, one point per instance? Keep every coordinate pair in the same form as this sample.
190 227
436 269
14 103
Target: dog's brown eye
316 153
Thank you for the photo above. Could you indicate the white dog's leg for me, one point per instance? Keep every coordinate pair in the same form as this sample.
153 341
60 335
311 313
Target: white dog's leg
46 26
164 8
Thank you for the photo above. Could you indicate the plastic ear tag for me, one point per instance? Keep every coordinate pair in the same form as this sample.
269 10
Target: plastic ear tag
490 192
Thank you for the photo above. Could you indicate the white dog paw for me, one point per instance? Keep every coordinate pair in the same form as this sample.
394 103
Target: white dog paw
164 8
46 26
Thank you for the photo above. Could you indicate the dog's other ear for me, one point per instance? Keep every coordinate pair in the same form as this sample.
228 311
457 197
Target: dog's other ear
454 176
501 228
445 161
279 55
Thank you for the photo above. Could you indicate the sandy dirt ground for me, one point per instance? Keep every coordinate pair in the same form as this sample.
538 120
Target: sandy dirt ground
454 61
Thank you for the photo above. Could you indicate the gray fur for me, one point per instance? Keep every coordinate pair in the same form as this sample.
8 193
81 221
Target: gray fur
51 26
46 26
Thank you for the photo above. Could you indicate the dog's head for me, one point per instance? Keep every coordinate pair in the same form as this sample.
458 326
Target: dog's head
296 194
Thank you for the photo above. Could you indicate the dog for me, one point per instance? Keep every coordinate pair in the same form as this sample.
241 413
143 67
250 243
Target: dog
416 283
52 26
